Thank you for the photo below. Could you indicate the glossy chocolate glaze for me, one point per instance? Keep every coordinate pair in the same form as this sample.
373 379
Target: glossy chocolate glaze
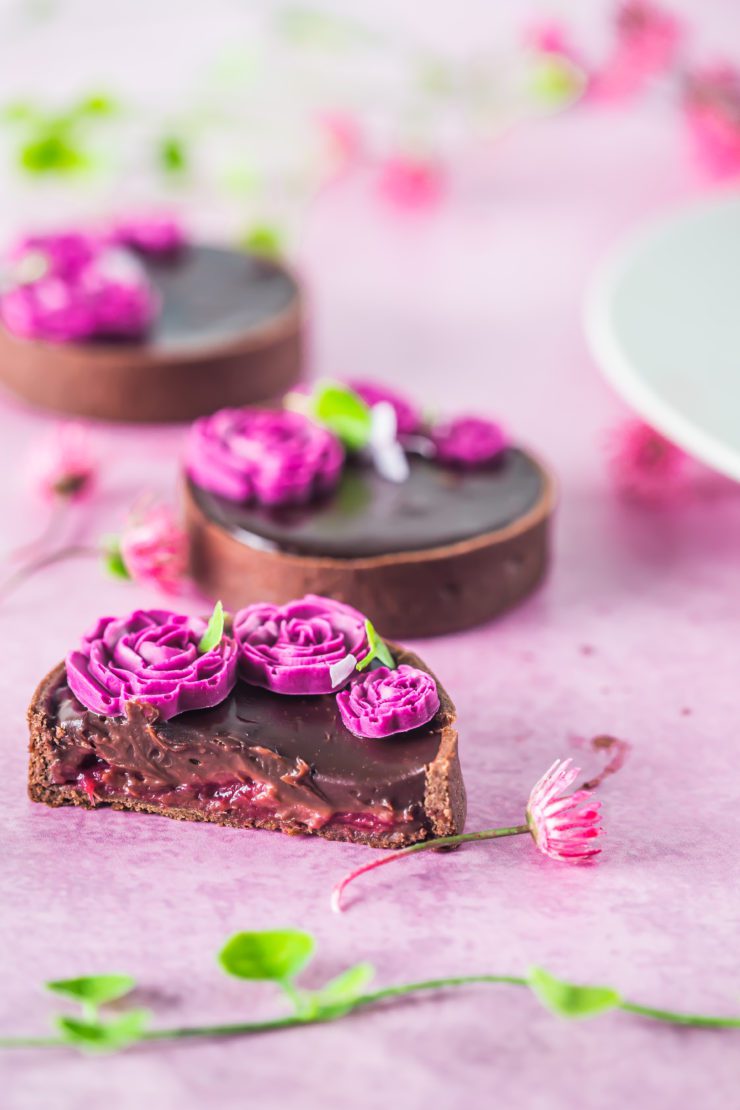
287 757
212 295
367 515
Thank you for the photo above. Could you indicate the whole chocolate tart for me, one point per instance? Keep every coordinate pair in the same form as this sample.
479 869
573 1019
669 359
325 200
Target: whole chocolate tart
258 757
444 548
228 332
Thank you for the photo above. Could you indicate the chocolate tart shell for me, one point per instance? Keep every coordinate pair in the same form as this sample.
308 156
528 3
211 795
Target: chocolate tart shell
249 352
407 594
445 802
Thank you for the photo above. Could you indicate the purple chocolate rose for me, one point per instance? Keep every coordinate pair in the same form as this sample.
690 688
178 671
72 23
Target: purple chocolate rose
408 417
150 656
383 702
469 441
154 235
292 649
272 457
73 286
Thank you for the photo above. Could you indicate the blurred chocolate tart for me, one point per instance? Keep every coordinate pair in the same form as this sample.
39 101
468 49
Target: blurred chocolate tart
427 529
221 327
296 719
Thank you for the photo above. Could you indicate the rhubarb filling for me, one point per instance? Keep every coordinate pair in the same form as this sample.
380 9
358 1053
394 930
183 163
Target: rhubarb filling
258 757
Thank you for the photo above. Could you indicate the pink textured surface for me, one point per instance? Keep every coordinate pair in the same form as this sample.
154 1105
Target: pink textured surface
635 634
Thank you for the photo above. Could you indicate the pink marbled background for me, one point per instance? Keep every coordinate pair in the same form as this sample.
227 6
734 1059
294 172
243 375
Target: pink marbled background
635 634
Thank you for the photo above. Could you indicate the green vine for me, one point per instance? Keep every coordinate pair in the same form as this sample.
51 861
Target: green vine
278 956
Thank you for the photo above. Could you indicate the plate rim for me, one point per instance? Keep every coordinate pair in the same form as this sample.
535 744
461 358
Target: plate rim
614 365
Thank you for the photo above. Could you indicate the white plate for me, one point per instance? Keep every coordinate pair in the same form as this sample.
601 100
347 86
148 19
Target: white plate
663 322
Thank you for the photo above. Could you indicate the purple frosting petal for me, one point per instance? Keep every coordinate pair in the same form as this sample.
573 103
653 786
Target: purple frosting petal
73 286
408 417
150 656
272 457
291 648
383 702
469 441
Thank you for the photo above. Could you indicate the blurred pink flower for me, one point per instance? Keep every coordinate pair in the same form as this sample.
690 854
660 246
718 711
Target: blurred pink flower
65 464
344 135
712 105
560 828
550 36
646 466
647 42
154 548
411 183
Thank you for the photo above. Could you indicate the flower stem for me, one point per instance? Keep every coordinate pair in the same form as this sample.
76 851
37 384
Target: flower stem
249 1028
422 846
10 584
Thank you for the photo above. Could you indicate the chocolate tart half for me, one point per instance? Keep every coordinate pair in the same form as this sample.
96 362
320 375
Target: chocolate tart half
229 333
257 760
440 552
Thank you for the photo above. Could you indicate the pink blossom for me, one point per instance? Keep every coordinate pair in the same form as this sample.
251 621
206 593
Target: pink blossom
645 466
647 41
344 136
563 828
550 36
65 464
411 183
154 548
712 106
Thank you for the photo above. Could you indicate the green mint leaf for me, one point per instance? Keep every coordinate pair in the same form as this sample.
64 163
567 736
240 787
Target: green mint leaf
51 151
113 559
93 990
378 650
343 413
276 954
99 1036
555 82
172 155
338 996
264 240
568 999
213 634
96 104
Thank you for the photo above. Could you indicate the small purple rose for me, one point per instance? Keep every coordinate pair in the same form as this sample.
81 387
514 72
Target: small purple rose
301 647
150 656
408 417
271 457
469 442
383 702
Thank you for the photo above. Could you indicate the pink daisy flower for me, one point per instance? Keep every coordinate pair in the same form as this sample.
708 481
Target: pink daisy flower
563 828
647 41
65 464
712 106
154 548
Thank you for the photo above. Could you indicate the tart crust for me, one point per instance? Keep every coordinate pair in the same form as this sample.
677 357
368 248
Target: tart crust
407 594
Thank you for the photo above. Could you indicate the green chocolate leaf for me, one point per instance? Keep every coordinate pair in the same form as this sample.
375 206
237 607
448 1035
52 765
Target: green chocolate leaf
113 559
339 995
94 990
99 1036
568 999
213 634
277 954
172 155
264 240
344 413
378 650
